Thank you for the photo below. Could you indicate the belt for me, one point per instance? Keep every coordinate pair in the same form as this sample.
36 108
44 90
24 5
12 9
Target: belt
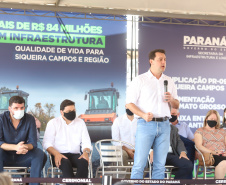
158 119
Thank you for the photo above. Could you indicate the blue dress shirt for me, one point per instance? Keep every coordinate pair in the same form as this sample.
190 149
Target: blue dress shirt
26 130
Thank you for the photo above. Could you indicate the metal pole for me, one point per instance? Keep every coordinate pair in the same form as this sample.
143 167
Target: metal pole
107 180
131 78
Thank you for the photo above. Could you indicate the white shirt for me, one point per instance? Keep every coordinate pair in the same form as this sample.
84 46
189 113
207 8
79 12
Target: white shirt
147 93
124 130
66 138
184 130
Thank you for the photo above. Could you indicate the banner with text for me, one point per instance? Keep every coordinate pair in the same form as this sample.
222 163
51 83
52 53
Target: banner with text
52 59
195 59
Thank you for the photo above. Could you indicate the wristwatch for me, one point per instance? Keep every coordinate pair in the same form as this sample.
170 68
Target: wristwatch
87 151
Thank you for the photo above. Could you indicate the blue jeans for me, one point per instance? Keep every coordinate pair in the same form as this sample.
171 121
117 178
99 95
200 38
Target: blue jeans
34 158
148 134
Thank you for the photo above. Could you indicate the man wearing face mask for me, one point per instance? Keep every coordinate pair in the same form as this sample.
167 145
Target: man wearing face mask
18 139
124 129
64 136
186 135
183 129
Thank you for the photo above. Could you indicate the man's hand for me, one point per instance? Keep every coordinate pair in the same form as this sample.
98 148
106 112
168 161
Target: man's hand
130 152
58 158
147 116
151 157
21 148
184 155
85 156
168 97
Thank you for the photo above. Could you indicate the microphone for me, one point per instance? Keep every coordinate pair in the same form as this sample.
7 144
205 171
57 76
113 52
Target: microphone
165 87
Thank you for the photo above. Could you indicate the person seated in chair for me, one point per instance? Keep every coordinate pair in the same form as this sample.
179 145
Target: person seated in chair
18 139
186 135
63 138
224 120
124 129
212 139
177 156
183 129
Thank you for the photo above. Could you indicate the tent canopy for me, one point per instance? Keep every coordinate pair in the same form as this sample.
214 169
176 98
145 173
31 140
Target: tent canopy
200 9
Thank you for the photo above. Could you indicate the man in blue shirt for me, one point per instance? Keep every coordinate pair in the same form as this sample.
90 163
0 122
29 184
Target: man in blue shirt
183 128
18 139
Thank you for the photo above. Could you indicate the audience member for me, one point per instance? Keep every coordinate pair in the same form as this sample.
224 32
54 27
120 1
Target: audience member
211 139
177 156
124 129
183 129
185 133
18 139
63 138
224 120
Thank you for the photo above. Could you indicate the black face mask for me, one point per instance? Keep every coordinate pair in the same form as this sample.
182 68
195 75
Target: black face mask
173 118
70 115
129 112
211 123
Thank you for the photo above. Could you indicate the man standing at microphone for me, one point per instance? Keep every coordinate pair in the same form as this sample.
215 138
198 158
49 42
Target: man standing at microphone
151 101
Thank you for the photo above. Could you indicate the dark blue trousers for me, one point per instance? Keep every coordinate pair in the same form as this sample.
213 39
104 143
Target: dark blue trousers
35 159
190 147
184 166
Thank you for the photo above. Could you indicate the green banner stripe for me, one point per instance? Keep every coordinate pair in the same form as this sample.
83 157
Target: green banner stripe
56 39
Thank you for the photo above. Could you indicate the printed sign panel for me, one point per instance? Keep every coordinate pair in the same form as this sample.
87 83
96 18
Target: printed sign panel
195 59
52 59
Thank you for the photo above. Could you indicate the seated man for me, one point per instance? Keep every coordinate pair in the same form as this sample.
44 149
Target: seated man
18 139
124 129
63 138
177 156
183 129
185 133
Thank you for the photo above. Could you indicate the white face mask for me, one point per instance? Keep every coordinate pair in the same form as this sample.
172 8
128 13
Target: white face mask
225 116
18 114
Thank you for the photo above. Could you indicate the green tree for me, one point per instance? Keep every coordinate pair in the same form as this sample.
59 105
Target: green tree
38 109
49 109
43 115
